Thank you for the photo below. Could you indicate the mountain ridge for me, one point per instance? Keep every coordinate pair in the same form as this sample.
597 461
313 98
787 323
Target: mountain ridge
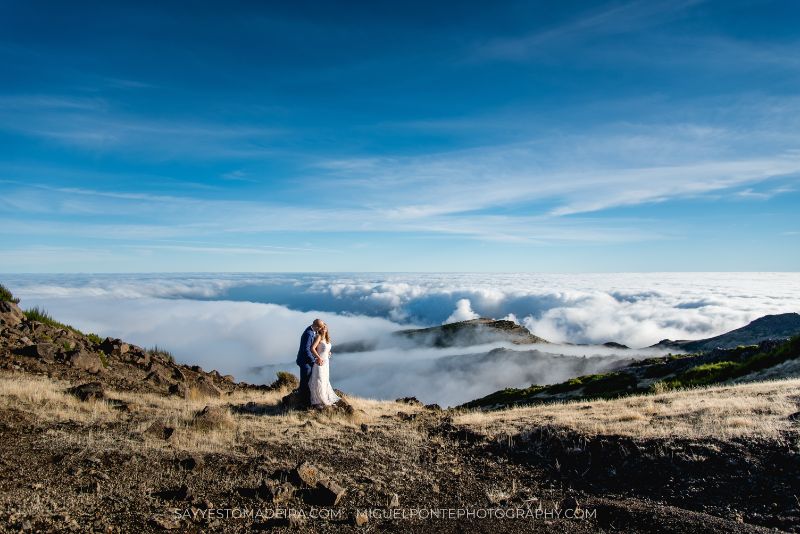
766 327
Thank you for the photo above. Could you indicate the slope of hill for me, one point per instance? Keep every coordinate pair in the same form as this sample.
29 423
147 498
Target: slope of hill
741 364
727 450
768 359
36 343
779 326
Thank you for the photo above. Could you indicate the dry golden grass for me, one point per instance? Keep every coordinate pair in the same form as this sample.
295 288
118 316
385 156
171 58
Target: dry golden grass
47 401
754 409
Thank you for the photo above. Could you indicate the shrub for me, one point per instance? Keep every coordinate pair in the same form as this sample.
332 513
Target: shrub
285 380
6 295
94 338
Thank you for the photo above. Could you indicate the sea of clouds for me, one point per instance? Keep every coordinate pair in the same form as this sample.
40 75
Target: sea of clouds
249 324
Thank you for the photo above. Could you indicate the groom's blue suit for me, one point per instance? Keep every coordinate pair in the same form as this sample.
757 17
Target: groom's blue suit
306 360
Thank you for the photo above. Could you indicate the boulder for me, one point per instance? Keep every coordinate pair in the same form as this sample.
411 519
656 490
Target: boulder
410 400
205 388
88 391
182 493
345 407
10 313
156 378
116 347
67 342
361 518
212 418
293 401
142 359
160 430
87 361
327 493
275 492
178 375
178 390
305 474
45 351
190 462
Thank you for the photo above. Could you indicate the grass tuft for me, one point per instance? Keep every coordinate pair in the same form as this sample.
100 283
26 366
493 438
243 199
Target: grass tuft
6 295
158 351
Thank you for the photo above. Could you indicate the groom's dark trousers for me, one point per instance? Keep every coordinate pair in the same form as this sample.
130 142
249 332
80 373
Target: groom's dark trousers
305 360
305 376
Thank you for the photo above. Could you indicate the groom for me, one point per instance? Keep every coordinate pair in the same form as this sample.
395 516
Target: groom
306 359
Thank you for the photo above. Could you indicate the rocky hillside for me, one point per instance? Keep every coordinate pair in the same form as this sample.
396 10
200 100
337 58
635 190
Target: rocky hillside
717 366
765 328
470 333
35 343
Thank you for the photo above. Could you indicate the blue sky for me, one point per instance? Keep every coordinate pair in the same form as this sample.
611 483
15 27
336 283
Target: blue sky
530 136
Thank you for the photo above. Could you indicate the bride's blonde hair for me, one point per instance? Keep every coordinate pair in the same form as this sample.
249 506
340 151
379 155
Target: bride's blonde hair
327 334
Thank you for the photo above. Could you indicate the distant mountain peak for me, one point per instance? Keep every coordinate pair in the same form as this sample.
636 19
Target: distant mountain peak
777 326
472 332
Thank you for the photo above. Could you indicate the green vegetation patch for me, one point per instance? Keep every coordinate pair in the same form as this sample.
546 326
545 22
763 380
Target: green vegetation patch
40 315
6 295
505 397
611 384
712 373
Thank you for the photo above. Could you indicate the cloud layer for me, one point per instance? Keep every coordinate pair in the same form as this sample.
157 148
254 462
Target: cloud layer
248 324
635 309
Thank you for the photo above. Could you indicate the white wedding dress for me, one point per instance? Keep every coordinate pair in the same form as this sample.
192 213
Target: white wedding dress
320 383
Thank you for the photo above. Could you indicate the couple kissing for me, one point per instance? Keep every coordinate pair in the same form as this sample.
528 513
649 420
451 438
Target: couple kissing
313 358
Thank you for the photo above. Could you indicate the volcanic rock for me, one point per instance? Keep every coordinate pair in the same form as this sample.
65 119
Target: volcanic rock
212 418
88 391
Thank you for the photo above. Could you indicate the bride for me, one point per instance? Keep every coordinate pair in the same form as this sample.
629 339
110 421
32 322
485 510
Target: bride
322 393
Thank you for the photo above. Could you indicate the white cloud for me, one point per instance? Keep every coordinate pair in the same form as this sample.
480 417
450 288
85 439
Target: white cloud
94 124
611 19
463 312
637 309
